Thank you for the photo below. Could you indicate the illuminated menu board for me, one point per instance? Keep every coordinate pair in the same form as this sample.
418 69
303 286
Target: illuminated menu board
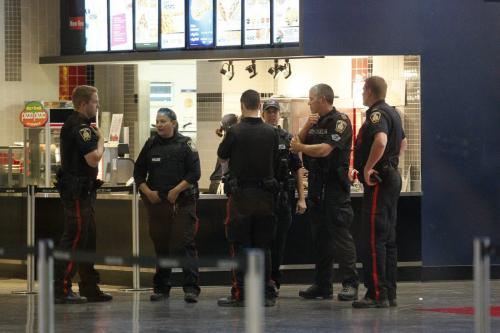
228 22
286 21
121 25
173 24
201 23
146 24
96 22
257 22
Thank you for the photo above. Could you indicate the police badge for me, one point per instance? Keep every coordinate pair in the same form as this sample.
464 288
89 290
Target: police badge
340 126
375 117
86 134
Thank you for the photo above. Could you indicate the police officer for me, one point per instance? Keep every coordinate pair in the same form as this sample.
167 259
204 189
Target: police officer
326 151
226 122
252 150
82 147
380 141
166 172
289 176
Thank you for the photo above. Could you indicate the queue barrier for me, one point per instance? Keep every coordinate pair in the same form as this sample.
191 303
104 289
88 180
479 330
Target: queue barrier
32 190
483 250
252 264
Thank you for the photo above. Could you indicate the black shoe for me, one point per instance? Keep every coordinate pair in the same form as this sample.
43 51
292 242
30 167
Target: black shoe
268 302
230 302
314 292
70 298
393 303
367 303
157 296
191 297
94 293
348 293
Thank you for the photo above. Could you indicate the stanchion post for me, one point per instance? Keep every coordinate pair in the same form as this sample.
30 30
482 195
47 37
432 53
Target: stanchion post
136 268
254 290
45 286
482 321
135 238
30 240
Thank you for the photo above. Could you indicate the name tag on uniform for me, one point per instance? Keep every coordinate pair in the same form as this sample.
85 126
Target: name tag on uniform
318 131
156 159
282 146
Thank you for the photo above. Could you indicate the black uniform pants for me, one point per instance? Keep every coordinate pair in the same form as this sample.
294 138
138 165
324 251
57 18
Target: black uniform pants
250 223
173 231
79 235
331 235
379 235
283 216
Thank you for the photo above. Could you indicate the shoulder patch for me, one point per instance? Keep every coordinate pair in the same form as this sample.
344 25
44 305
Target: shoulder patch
336 137
191 146
85 134
375 117
340 126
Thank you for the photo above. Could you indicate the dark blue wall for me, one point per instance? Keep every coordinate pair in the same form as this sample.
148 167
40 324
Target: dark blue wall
459 44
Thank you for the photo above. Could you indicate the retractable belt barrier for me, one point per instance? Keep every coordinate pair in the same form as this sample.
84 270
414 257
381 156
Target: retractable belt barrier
252 264
143 261
483 250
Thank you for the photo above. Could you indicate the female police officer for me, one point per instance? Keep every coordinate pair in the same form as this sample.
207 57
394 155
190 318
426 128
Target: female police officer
166 173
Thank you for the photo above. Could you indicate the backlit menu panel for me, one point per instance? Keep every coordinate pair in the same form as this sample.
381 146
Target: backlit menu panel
286 21
257 22
201 23
121 25
173 24
96 22
228 22
146 24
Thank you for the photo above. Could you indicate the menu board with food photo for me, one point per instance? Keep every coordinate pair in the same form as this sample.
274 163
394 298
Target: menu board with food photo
96 21
120 20
286 21
201 23
173 24
146 24
228 22
257 22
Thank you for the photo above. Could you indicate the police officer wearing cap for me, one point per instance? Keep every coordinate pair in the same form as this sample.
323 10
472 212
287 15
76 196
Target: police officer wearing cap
166 172
251 146
82 147
380 142
289 175
325 142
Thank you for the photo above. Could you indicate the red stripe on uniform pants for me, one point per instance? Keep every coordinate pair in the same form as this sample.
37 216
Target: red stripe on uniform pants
69 267
373 243
231 249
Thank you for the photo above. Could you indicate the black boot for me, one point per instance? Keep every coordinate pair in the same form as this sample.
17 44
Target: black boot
367 303
94 293
315 291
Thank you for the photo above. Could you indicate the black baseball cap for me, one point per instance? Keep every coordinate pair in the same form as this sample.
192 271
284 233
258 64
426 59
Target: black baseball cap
271 103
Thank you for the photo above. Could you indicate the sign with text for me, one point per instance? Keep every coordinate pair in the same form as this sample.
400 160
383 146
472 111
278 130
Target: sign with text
201 23
228 23
34 115
173 24
96 22
121 28
286 21
146 24
257 22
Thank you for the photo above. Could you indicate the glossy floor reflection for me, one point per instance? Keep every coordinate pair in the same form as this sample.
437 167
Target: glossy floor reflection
133 312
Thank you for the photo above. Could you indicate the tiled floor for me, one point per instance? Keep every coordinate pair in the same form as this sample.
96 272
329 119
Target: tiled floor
133 312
